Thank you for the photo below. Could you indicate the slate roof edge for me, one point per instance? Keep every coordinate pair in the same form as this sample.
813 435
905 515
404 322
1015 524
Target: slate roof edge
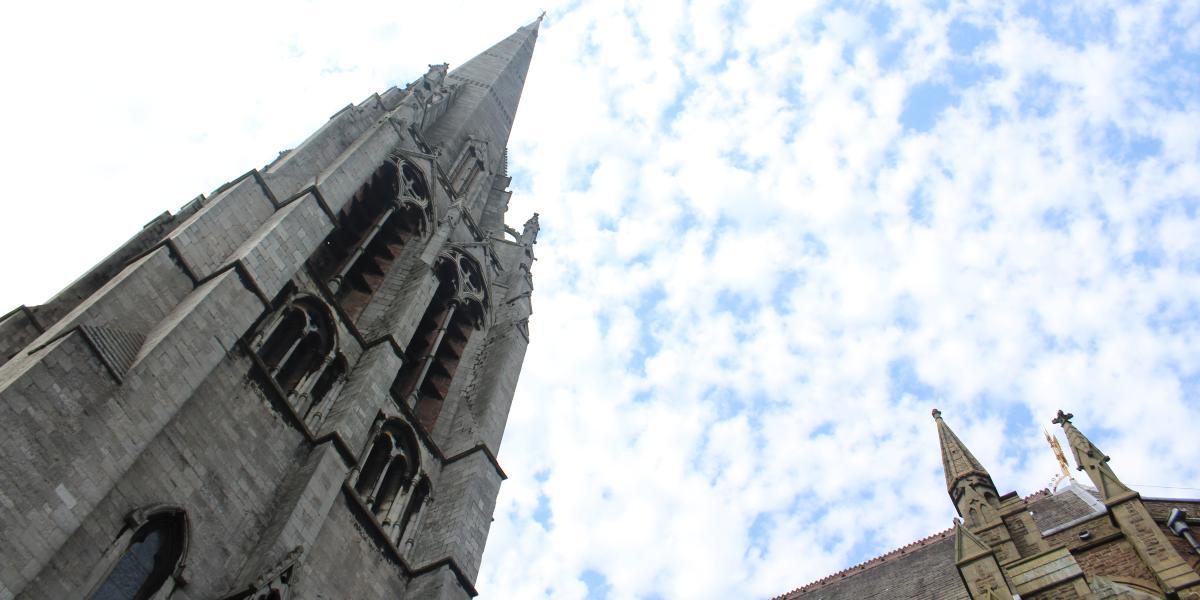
886 557
869 564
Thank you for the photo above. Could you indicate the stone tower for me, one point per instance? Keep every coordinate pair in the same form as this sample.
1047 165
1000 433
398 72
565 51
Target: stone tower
294 387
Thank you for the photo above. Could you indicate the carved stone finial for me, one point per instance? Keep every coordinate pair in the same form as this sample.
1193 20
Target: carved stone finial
437 73
529 234
937 414
1063 418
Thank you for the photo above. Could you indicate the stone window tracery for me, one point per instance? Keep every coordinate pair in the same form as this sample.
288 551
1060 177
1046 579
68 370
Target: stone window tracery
299 351
389 480
437 346
383 215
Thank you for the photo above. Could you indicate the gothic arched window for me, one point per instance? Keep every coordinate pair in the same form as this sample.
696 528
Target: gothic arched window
390 483
389 467
324 390
152 556
437 346
299 352
406 528
389 209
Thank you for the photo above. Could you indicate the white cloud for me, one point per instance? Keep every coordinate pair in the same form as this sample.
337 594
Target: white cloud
754 279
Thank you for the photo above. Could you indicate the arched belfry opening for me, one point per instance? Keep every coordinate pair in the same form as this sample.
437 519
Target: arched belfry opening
389 479
391 208
457 310
298 348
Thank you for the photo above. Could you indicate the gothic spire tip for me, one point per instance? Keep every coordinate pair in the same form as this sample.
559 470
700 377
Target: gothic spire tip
937 414
1063 418
537 23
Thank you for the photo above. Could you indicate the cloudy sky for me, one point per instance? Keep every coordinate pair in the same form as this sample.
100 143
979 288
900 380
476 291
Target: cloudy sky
774 236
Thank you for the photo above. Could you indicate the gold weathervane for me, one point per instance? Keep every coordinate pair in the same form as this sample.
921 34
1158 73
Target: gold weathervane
1062 461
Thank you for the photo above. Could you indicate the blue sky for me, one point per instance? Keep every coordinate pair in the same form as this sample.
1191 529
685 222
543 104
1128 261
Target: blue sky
774 236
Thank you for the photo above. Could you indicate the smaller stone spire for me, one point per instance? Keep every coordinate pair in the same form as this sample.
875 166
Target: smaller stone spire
957 460
1091 460
968 483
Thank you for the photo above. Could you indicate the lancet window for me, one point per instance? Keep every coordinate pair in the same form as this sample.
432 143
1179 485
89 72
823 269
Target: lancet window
316 405
389 480
299 350
153 548
388 210
437 346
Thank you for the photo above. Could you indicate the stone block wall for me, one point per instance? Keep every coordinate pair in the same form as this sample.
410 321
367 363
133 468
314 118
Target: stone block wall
221 458
144 388
348 560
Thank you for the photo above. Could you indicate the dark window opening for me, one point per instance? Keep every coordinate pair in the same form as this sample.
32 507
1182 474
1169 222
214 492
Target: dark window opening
298 345
283 339
303 359
323 390
388 470
153 555
393 482
372 470
371 230
437 346
442 366
408 521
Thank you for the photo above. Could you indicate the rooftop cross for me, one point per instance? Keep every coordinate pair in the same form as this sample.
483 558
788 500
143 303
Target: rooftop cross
1063 418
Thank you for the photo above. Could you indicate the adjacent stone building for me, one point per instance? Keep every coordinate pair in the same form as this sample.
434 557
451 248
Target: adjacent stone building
1076 542
294 387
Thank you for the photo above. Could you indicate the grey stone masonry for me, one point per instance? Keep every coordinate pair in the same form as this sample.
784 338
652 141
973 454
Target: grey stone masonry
298 381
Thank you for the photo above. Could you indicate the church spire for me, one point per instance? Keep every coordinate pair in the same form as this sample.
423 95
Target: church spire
1091 460
968 483
957 460
489 89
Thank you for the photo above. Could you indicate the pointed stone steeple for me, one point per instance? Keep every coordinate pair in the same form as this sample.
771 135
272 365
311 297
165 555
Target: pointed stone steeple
1091 460
488 91
969 484
957 460
1126 509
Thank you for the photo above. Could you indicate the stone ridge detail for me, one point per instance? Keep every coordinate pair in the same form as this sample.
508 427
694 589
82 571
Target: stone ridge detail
885 557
